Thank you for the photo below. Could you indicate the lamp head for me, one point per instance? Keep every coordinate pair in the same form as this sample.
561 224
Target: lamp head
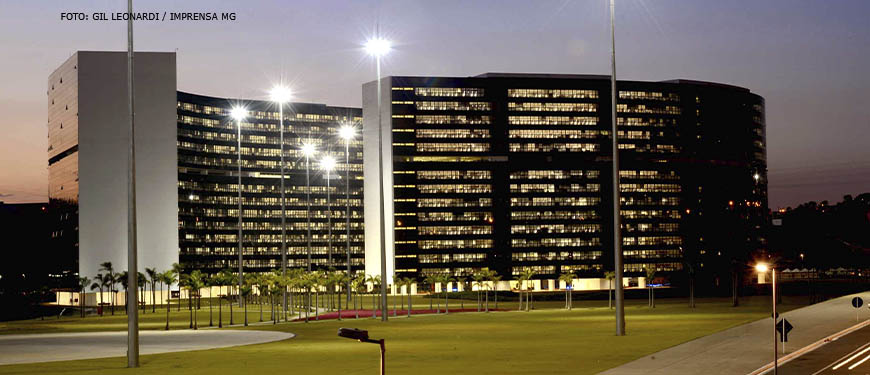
353 333
308 149
327 163
238 113
347 132
761 267
378 47
756 176
280 94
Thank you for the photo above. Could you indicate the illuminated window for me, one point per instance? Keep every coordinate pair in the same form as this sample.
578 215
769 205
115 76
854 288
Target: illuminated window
448 91
552 107
553 120
552 93
453 106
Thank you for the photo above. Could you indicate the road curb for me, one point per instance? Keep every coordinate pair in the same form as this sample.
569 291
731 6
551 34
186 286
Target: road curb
797 353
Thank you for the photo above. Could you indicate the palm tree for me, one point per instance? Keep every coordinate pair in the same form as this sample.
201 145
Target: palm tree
446 279
650 275
195 284
178 269
169 277
610 275
408 281
430 281
375 280
208 282
98 284
340 279
478 278
529 274
84 282
359 287
152 276
567 278
246 290
495 278
184 283
122 277
142 281
489 279
110 277
690 270
462 280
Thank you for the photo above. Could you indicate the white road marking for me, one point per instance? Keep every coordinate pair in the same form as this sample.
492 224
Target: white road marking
859 362
851 358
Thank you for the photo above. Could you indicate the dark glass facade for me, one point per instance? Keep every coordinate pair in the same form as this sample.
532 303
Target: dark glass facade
513 171
207 185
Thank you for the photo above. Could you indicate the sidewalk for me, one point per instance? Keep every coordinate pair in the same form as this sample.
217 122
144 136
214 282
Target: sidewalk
743 349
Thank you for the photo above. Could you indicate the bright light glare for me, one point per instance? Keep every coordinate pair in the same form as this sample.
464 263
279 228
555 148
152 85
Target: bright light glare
347 132
327 163
280 94
308 149
761 267
378 47
756 176
239 113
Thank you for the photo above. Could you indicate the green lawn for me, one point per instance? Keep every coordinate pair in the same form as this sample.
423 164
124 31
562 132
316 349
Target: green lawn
551 341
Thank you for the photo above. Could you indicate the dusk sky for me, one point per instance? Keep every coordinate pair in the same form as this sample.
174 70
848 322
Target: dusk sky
810 60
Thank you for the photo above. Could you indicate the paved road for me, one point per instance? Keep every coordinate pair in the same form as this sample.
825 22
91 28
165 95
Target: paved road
69 346
843 353
746 348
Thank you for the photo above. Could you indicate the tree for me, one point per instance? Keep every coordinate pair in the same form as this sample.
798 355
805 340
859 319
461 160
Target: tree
446 279
610 275
142 281
208 282
430 281
567 278
528 274
122 277
152 276
478 278
489 277
98 284
690 271
359 287
194 284
650 275
245 291
375 280
178 269
84 282
169 277
110 277
340 279
495 278
408 283
462 281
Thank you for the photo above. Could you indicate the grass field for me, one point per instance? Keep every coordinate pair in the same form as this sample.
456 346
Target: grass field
551 341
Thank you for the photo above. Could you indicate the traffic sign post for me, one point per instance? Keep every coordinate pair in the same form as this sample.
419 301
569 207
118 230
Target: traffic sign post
783 327
857 302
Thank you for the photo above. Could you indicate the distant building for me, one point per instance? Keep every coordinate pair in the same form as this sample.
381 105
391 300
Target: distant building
187 172
512 172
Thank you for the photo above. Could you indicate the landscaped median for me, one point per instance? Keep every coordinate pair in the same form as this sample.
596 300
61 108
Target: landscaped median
552 341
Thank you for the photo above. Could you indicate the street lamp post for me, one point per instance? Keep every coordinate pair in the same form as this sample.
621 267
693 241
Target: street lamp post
328 164
239 114
378 47
347 132
281 95
308 150
132 251
363 336
617 234
762 268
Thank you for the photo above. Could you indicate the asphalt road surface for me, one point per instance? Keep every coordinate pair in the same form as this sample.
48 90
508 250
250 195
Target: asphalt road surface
69 346
849 354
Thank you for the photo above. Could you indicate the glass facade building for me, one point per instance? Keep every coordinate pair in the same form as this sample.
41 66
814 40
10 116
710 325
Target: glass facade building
513 171
208 187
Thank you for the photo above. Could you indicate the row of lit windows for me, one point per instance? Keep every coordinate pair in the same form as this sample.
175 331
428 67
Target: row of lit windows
537 270
552 93
648 201
290 142
274 201
555 242
338 238
640 121
645 241
451 216
448 91
214 187
650 254
553 215
262 115
657 148
650 214
455 257
453 202
649 188
554 134
643 108
660 267
554 175
552 188
633 134
454 175
452 133
580 267
453 119
455 188
260 225
532 256
649 95
553 120
649 175
452 147
553 147
452 106
552 107
652 227
454 230
555 201
455 244
337 212
555 228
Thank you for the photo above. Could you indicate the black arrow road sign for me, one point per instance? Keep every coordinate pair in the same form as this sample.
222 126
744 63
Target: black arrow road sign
783 325
857 302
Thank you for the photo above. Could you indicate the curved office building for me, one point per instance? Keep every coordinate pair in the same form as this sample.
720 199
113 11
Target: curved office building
208 185
512 172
